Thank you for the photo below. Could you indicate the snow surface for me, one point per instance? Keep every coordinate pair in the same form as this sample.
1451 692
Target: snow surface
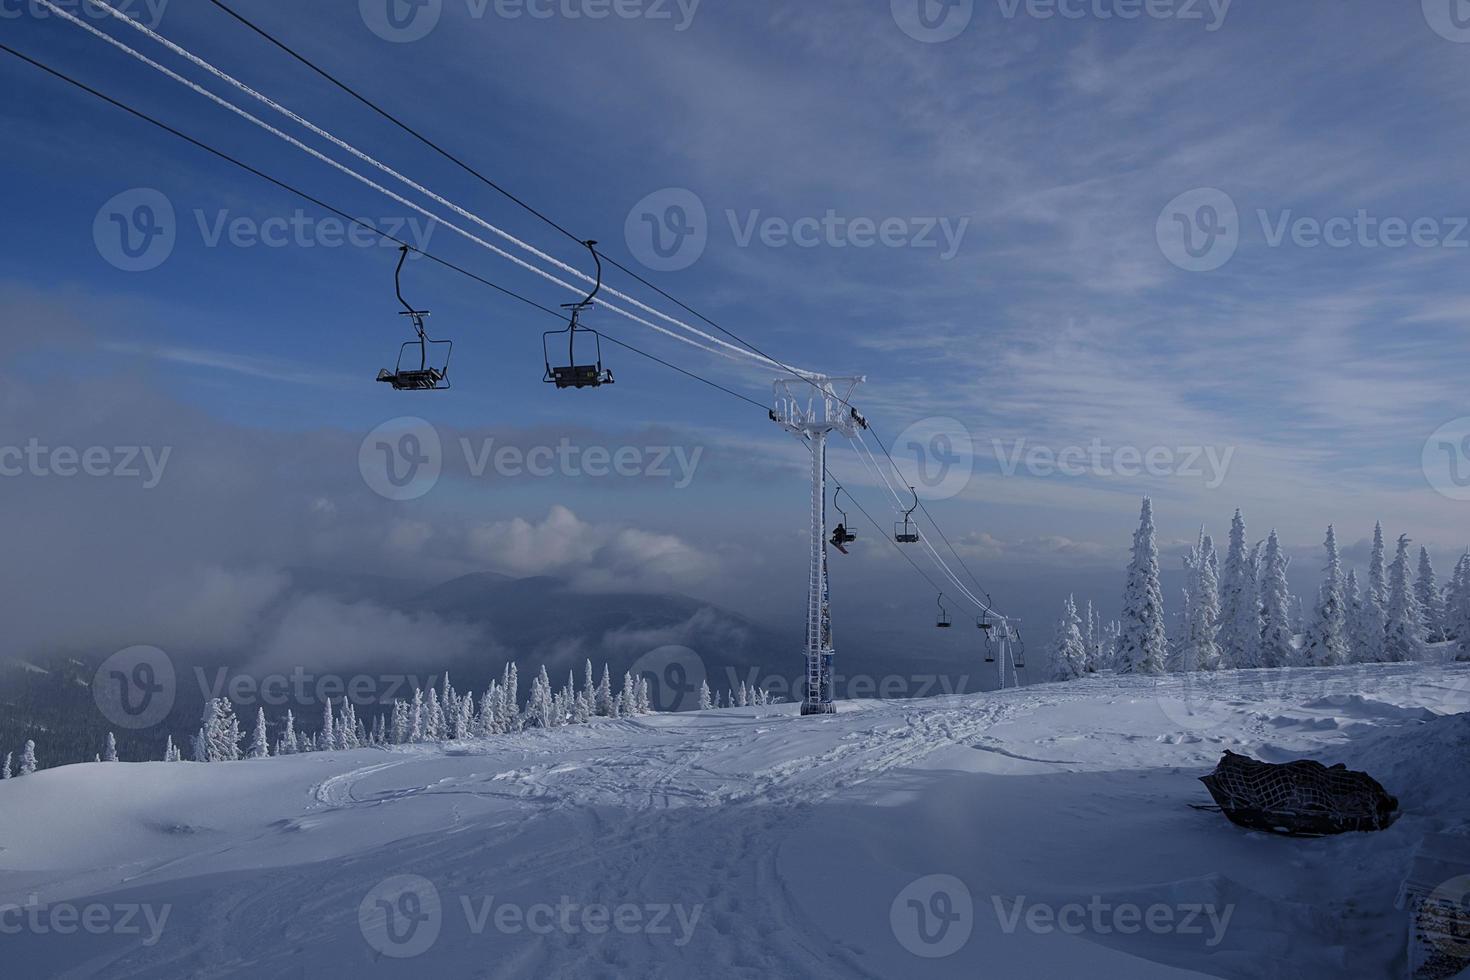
778 846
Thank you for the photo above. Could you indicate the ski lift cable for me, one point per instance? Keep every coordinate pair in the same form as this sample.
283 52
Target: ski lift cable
368 226
139 114
937 527
359 177
864 511
493 185
861 447
384 168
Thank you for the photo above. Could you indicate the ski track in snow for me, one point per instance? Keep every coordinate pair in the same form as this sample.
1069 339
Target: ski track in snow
701 810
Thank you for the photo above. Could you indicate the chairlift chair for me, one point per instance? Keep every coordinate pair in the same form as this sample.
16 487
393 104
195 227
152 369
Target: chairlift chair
427 376
943 622
574 374
908 531
842 534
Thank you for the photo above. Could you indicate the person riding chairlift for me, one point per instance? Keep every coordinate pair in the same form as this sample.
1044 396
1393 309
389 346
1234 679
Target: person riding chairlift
839 535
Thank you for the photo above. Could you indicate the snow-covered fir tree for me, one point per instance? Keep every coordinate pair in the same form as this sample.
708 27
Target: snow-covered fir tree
5 767
1239 636
1068 652
259 744
288 738
1457 608
1326 644
705 703
28 762
1277 649
1200 650
1369 638
109 748
606 707
1142 645
1431 602
1402 637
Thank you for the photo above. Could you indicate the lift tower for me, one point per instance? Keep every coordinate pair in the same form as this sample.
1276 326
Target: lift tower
812 407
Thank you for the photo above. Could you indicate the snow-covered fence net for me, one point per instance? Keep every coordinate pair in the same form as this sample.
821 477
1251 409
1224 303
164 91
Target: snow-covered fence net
1302 797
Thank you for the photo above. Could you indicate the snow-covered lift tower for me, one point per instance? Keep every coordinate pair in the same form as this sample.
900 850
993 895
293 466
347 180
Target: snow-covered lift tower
813 406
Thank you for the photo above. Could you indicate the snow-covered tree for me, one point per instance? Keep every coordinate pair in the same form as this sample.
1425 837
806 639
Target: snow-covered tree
109 748
1457 608
705 703
5 767
1431 603
1068 652
540 709
289 742
1277 649
1326 643
1143 644
1200 650
434 729
259 745
28 763
1239 636
1402 638
1369 638
606 706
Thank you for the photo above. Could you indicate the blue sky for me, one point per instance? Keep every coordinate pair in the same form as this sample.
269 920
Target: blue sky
1059 153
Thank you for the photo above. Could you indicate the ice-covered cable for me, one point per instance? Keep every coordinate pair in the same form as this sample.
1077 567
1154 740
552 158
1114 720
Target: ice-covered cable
384 168
362 179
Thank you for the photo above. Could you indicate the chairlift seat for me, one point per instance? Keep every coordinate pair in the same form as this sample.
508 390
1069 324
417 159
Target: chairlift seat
580 376
428 379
